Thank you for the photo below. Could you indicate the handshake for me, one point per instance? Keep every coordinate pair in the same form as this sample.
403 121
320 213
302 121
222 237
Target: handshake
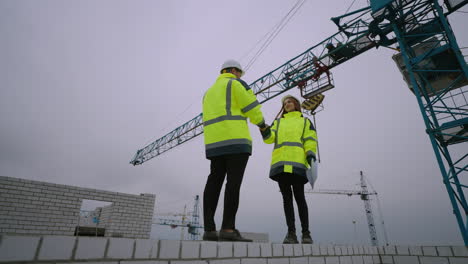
265 131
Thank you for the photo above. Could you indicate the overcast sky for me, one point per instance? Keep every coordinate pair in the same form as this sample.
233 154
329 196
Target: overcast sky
85 84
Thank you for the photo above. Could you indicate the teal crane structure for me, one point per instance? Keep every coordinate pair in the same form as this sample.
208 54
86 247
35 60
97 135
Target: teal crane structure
429 59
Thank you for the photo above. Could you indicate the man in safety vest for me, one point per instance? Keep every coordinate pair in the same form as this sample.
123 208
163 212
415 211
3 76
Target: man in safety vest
226 107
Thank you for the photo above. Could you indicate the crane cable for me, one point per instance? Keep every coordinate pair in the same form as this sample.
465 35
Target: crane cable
271 35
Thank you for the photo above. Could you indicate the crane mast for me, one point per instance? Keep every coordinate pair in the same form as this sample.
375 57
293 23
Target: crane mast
364 195
369 214
428 57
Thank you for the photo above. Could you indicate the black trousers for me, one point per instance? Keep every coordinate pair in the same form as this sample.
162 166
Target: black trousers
233 166
287 189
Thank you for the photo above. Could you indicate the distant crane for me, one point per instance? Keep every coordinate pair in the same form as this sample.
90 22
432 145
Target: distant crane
192 225
364 194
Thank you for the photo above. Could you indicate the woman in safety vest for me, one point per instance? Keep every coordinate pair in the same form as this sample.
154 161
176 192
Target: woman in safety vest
295 142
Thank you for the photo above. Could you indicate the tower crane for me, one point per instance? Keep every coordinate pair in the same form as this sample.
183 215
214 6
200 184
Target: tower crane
428 57
193 225
364 195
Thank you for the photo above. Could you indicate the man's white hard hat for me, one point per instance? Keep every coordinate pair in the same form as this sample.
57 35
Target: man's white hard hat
232 64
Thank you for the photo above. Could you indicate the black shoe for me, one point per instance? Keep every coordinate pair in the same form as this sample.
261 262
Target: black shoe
306 238
232 236
210 236
290 238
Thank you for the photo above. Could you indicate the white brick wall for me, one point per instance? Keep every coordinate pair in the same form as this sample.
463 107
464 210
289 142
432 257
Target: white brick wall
33 207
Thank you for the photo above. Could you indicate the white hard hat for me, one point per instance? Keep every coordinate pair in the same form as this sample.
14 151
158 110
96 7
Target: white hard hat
289 96
232 64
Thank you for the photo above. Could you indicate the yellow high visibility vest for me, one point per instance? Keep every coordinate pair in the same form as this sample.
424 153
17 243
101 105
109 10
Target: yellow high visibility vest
295 141
226 107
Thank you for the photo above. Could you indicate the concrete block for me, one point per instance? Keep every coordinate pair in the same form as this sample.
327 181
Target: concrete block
406 260
288 250
357 259
332 260
18 248
415 251
188 262
307 249
90 248
323 250
56 247
209 249
278 250
346 260
429 251
297 250
444 251
350 250
316 250
278 261
390 250
361 250
376 259
240 249
254 260
337 251
300 260
253 249
92 262
120 248
344 250
460 251
266 250
402 250
375 250
330 250
356 250
366 250
387 260
368 260
381 250
458 260
169 249
143 248
225 261
316 260
154 249
225 249
190 249
137 262
433 260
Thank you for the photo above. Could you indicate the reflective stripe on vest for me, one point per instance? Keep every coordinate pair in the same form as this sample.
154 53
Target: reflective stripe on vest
291 144
228 143
283 163
228 115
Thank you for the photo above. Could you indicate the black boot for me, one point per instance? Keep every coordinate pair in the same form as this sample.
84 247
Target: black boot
290 238
306 238
232 236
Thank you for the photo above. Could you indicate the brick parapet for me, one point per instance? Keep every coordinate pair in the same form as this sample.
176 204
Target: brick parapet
68 249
